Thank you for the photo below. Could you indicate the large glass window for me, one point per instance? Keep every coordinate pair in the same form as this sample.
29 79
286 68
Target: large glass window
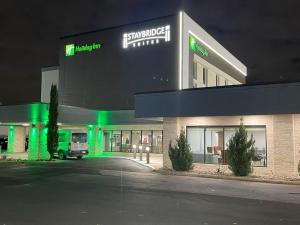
195 138
116 141
136 137
126 141
157 141
214 145
146 139
210 144
260 152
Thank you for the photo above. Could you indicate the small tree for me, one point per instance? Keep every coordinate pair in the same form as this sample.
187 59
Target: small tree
180 154
240 152
52 135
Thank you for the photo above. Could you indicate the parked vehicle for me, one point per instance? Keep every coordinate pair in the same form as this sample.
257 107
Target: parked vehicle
72 143
3 143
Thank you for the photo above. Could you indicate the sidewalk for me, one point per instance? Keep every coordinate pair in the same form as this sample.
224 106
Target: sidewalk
156 160
10 156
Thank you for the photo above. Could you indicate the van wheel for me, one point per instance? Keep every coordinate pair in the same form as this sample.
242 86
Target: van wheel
79 157
61 155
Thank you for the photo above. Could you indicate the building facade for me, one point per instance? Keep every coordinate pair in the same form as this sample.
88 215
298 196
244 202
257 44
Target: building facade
140 84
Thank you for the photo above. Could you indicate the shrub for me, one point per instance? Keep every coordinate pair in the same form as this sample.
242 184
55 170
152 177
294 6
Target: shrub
240 152
180 154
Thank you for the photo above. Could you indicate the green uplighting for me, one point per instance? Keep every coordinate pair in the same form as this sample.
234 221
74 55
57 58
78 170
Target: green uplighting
11 139
37 146
91 141
33 153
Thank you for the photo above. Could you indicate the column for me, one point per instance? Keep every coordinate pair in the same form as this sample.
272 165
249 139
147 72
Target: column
170 133
37 147
284 147
16 139
95 141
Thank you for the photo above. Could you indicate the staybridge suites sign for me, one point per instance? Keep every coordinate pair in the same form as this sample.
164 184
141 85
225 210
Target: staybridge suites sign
146 37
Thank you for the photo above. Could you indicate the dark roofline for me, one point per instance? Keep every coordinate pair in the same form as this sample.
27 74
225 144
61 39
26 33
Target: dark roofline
49 68
114 27
220 87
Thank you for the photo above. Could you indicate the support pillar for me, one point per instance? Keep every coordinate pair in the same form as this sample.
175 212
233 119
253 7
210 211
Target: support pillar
16 139
170 133
95 136
37 147
284 146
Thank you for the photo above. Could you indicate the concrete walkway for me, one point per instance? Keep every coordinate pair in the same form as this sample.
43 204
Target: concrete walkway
156 160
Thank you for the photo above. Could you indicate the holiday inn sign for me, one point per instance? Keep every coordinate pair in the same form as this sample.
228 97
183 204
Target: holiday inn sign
72 49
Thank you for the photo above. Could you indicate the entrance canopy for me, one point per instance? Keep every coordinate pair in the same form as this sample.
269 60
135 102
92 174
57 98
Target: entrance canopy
37 113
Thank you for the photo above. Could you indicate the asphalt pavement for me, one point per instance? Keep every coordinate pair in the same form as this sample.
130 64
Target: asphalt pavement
118 191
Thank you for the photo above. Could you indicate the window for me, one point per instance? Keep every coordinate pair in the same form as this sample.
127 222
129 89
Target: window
116 141
195 70
217 80
79 137
210 144
126 141
204 76
195 138
157 141
214 145
260 153
147 138
123 140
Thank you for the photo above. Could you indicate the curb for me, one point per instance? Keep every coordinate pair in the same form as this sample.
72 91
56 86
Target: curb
133 160
286 182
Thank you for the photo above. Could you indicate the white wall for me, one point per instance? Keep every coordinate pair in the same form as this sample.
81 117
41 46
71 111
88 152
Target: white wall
50 76
189 25
3 130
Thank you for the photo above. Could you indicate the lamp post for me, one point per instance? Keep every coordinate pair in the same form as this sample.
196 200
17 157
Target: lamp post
134 151
148 154
141 152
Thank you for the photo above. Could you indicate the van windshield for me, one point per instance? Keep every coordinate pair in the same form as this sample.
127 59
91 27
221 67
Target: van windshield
79 137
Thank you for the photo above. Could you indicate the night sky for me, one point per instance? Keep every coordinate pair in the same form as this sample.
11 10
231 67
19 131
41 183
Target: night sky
263 34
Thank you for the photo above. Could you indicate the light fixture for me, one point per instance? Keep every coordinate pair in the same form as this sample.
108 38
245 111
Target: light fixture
25 124
134 146
140 147
59 124
147 148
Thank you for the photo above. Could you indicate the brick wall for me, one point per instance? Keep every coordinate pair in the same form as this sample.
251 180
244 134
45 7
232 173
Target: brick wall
283 140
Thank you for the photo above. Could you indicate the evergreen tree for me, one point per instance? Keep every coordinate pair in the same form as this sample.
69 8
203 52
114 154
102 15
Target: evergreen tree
52 135
180 154
240 152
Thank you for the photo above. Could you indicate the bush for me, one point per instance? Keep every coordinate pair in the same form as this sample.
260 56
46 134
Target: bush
180 154
240 152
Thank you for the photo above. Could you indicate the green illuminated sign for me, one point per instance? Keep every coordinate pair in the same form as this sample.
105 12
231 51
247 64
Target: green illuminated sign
72 49
197 47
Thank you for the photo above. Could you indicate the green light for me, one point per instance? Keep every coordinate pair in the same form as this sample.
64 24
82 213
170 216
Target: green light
197 47
91 141
33 151
70 49
11 139
37 147
44 154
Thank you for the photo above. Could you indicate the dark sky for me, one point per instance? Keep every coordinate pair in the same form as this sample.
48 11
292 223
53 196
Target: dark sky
263 34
